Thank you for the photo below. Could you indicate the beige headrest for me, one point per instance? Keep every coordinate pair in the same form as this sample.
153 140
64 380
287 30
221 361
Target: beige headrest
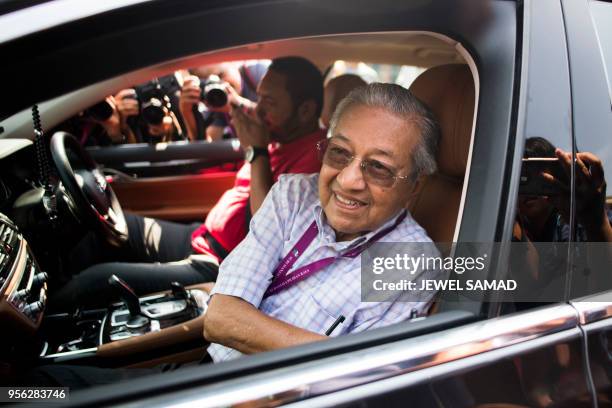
448 90
335 90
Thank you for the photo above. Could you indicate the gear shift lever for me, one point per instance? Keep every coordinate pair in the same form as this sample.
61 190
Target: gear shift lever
178 290
127 294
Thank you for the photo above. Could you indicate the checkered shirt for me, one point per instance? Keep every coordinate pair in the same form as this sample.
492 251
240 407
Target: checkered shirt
317 301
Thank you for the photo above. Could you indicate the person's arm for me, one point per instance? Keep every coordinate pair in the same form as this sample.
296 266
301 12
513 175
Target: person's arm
207 287
190 97
233 318
590 194
237 324
116 125
251 131
261 181
127 106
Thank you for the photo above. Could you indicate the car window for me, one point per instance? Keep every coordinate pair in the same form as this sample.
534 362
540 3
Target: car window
562 222
403 75
602 15
539 256
592 214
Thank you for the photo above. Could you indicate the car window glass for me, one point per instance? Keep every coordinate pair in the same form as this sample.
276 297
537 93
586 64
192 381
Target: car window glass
399 74
538 259
602 17
591 253
590 72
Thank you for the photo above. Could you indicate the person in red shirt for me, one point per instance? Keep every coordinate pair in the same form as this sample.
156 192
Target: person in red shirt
279 135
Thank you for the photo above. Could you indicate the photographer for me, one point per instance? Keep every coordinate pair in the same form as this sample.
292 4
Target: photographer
543 232
206 98
105 123
147 111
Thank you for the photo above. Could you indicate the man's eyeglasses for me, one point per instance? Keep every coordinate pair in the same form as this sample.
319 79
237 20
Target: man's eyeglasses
373 171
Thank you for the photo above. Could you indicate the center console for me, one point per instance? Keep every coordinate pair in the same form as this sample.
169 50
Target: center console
157 312
133 325
133 331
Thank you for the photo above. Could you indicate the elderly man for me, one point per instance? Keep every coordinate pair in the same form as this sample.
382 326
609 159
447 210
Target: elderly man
298 270
297 273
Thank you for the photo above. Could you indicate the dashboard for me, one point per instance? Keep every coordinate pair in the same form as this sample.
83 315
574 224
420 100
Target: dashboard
33 253
23 285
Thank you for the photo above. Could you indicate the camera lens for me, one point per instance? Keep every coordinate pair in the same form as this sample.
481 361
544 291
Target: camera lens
213 92
153 111
216 97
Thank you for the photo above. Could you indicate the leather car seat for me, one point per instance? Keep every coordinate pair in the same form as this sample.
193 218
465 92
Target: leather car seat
449 92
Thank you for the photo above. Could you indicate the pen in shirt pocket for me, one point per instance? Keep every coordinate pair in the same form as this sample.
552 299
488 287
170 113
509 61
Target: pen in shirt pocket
334 325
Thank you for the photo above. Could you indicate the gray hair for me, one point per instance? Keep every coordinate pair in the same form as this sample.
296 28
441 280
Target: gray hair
401 102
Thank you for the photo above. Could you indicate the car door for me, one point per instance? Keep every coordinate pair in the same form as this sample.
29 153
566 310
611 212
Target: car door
589 22
471 352
178 181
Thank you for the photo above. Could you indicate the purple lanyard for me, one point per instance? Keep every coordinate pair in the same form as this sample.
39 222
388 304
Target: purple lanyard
282 279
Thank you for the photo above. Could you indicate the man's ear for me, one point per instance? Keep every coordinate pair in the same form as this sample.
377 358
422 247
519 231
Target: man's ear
307 111
417 184
414 189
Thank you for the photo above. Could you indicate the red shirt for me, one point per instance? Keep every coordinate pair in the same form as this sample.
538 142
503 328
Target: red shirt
227 221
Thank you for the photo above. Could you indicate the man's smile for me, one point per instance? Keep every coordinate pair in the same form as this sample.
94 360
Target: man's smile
347 202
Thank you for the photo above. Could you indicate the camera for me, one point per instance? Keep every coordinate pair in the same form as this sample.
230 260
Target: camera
101 111
154 98
213 92
532 183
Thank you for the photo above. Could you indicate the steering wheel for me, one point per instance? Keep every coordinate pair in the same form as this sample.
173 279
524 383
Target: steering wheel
93 198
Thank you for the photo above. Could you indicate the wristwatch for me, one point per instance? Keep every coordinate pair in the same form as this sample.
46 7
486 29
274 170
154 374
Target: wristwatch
251 153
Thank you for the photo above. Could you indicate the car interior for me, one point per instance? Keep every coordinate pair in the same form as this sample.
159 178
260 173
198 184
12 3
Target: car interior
151 180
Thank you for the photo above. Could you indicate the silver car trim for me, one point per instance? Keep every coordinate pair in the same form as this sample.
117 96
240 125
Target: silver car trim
362 392
597 326
332 374
593 308
70 353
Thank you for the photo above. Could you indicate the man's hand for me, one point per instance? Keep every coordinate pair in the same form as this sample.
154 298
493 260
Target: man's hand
234 99
190 97
112 125
190 92
208 286
250 129
116 125
127 105
235 323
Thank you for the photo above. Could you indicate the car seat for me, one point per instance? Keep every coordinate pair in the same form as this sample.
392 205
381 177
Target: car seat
449 92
